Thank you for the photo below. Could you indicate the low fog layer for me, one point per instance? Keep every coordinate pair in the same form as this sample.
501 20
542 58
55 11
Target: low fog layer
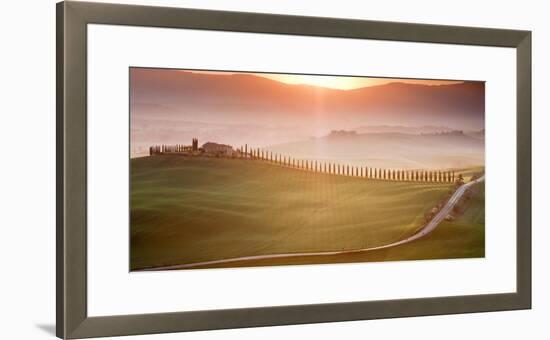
391 150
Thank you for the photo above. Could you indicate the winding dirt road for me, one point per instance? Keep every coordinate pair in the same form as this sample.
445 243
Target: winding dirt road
440 216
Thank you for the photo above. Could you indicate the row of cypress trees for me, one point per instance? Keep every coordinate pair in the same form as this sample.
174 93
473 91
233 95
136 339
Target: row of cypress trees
330 167
164 148
347 170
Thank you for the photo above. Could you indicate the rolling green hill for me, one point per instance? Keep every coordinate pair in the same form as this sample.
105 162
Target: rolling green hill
186 210
462 238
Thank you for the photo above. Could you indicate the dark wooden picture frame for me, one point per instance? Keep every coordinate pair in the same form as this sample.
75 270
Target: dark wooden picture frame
72 20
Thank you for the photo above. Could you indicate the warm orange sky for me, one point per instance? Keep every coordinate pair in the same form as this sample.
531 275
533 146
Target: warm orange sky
335 82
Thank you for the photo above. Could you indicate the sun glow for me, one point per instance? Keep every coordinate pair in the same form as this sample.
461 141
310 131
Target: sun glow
346 82
333 82
341 83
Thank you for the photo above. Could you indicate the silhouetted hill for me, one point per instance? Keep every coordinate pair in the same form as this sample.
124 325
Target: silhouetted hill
413 130
477 134
203 96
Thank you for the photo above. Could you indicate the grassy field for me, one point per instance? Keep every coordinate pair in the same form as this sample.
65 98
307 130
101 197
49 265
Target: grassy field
186 210
469 172
462 238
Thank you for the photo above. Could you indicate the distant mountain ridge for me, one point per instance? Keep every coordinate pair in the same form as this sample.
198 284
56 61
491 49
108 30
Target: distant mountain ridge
246 96
414 130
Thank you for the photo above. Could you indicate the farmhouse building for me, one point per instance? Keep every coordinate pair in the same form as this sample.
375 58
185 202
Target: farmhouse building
217 149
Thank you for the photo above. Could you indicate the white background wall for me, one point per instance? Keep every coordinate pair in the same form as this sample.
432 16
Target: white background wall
27 178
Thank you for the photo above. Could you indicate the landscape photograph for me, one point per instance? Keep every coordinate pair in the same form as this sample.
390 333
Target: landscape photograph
242 169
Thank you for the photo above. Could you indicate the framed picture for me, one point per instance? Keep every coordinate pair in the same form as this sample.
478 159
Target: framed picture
224 170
